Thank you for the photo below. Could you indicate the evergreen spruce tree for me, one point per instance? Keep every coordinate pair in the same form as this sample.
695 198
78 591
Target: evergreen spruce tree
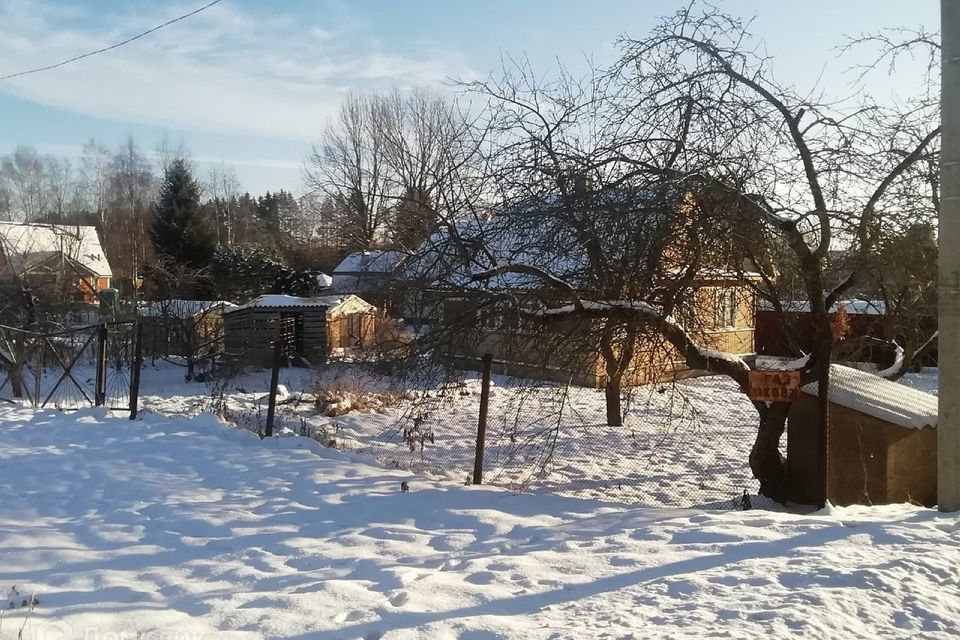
180 230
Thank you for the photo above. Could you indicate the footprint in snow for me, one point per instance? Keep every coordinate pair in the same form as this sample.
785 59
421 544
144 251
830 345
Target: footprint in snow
349 616
481 577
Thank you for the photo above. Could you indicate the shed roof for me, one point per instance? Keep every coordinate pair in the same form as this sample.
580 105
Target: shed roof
28 244
281 300
853 307
879 398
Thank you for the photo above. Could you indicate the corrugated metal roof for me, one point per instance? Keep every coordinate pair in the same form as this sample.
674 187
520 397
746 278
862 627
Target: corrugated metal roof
281 300
880 398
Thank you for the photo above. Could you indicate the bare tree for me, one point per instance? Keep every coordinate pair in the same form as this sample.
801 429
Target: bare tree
381 166
753 178
131 191
60 187
95 178
223 187
4 202
25 176
350 166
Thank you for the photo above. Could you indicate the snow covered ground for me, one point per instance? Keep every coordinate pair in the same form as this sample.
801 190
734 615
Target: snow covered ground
172 527
683 445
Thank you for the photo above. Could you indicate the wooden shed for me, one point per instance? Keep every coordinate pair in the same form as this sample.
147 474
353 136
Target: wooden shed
882 442
314 328
182 327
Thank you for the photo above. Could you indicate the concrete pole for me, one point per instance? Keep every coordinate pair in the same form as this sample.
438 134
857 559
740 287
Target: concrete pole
948 425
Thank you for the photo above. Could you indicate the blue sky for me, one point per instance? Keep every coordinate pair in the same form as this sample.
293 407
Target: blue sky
252 83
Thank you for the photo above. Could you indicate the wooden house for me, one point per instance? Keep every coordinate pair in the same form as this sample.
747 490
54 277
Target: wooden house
55 258
366 271
312 329
881 443
491 311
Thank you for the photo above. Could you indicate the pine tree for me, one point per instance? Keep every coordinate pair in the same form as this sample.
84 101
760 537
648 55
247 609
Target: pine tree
180 231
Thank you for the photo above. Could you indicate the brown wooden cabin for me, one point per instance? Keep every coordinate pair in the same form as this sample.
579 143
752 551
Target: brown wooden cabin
723 306
882 443
313 328
721 313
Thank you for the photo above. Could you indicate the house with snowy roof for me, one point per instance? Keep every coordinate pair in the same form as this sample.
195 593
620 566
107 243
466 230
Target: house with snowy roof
495 312
52 256
367 271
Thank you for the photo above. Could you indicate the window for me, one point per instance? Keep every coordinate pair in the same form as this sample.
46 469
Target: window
725 308
490 317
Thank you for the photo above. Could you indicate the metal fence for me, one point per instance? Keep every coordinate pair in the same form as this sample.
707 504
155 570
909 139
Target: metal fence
681 443
70 368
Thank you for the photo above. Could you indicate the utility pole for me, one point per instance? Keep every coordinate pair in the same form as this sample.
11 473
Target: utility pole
948 422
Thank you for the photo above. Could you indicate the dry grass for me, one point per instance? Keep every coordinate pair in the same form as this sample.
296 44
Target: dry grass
348 393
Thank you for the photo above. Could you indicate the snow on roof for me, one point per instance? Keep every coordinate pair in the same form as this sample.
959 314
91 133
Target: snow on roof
370 262
853 307
181 308
880 398
452 254
324 281
538 232
281 300
25 245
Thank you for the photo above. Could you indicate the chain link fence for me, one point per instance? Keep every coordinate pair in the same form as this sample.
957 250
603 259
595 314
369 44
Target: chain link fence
682 444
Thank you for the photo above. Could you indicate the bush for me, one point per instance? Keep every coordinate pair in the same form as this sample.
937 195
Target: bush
352 392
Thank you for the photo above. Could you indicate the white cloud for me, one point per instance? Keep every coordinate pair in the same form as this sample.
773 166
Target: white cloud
224 70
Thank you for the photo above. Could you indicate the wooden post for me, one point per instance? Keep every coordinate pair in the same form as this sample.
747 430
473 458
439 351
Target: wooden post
135 373
274 381
100 388
486 361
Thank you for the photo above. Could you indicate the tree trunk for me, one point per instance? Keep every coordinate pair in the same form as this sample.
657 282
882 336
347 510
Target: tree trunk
766 462
614 411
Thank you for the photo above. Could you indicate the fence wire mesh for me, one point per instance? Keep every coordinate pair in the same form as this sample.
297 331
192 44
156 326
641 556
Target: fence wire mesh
682 443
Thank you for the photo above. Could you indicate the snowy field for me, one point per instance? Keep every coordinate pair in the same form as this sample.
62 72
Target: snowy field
680 445
172 527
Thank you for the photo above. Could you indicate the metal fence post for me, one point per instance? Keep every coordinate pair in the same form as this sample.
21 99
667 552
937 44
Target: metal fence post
274 381
486 362
135 374
100 389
